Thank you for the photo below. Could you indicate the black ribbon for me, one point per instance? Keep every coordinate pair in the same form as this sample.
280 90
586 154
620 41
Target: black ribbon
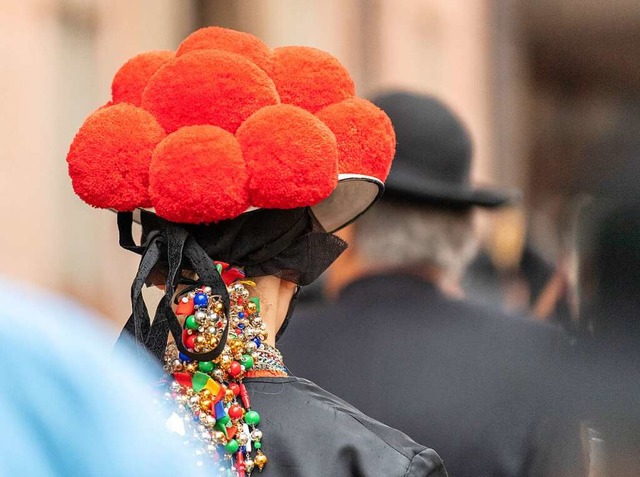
174 246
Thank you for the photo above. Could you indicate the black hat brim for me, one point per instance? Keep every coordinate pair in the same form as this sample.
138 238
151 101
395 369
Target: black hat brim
414 188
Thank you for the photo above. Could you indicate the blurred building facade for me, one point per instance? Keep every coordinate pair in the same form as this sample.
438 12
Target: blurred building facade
538 83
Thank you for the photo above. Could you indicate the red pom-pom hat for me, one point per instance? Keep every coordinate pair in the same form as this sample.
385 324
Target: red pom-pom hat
226 125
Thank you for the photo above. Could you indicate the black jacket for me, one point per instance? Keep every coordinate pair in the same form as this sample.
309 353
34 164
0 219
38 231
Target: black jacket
482 389
308 432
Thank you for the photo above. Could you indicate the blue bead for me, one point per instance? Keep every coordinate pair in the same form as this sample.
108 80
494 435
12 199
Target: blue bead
184 357
241 314
257 342
241 326
196 419
200 299
243 449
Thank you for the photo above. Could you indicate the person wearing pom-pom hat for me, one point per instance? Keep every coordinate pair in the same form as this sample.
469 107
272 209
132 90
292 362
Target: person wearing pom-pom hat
239 162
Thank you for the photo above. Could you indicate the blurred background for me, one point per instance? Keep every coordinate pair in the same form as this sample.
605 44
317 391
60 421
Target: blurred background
550 90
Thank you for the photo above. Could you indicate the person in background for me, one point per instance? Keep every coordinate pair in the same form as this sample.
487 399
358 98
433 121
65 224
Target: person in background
607 380
68 405
406 347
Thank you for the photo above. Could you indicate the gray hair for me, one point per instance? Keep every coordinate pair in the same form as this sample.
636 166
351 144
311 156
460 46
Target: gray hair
394 235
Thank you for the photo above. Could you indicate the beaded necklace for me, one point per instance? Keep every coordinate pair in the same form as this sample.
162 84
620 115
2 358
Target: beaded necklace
211 394
268 363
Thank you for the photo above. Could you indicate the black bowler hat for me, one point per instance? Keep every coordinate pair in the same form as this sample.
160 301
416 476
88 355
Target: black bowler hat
433 155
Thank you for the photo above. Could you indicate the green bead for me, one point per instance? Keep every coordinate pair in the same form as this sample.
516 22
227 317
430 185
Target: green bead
252 417
232 446
257 445
246 361
205 366
199 381
221 424
191 323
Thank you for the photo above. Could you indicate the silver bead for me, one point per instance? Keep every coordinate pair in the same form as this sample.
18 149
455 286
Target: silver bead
218 374
242 438
207 290
248 465
250 346
256 435
200 315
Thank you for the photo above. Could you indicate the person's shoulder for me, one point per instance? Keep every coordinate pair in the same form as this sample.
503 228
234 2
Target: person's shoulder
421 460
349 428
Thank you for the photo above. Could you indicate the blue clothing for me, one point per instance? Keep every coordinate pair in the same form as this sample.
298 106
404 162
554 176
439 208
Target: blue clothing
70 407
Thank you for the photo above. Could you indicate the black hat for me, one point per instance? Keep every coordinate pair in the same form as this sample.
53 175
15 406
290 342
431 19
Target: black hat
433 155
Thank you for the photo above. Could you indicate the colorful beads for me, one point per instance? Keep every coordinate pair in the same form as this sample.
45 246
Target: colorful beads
235 412
232 446
206 366
252 418
246 361
235 388
213 391
260 460
235 369
190 323
199 380
200 300
190 341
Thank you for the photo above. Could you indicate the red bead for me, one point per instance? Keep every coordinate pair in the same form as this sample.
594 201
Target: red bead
235 388
184 379
244 395
190 341
240 467
185 308
235 368
235 411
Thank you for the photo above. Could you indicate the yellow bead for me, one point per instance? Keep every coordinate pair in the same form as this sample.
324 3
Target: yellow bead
205 394
205 404
251 308
228 395
260 460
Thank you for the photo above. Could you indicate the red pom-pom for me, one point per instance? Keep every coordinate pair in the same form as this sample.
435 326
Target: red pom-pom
291 157
132 77
218 38
366 139
109 157
208 87
197 175
310 78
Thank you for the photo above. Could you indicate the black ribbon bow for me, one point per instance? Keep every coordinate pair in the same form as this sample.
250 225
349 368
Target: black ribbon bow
174 245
